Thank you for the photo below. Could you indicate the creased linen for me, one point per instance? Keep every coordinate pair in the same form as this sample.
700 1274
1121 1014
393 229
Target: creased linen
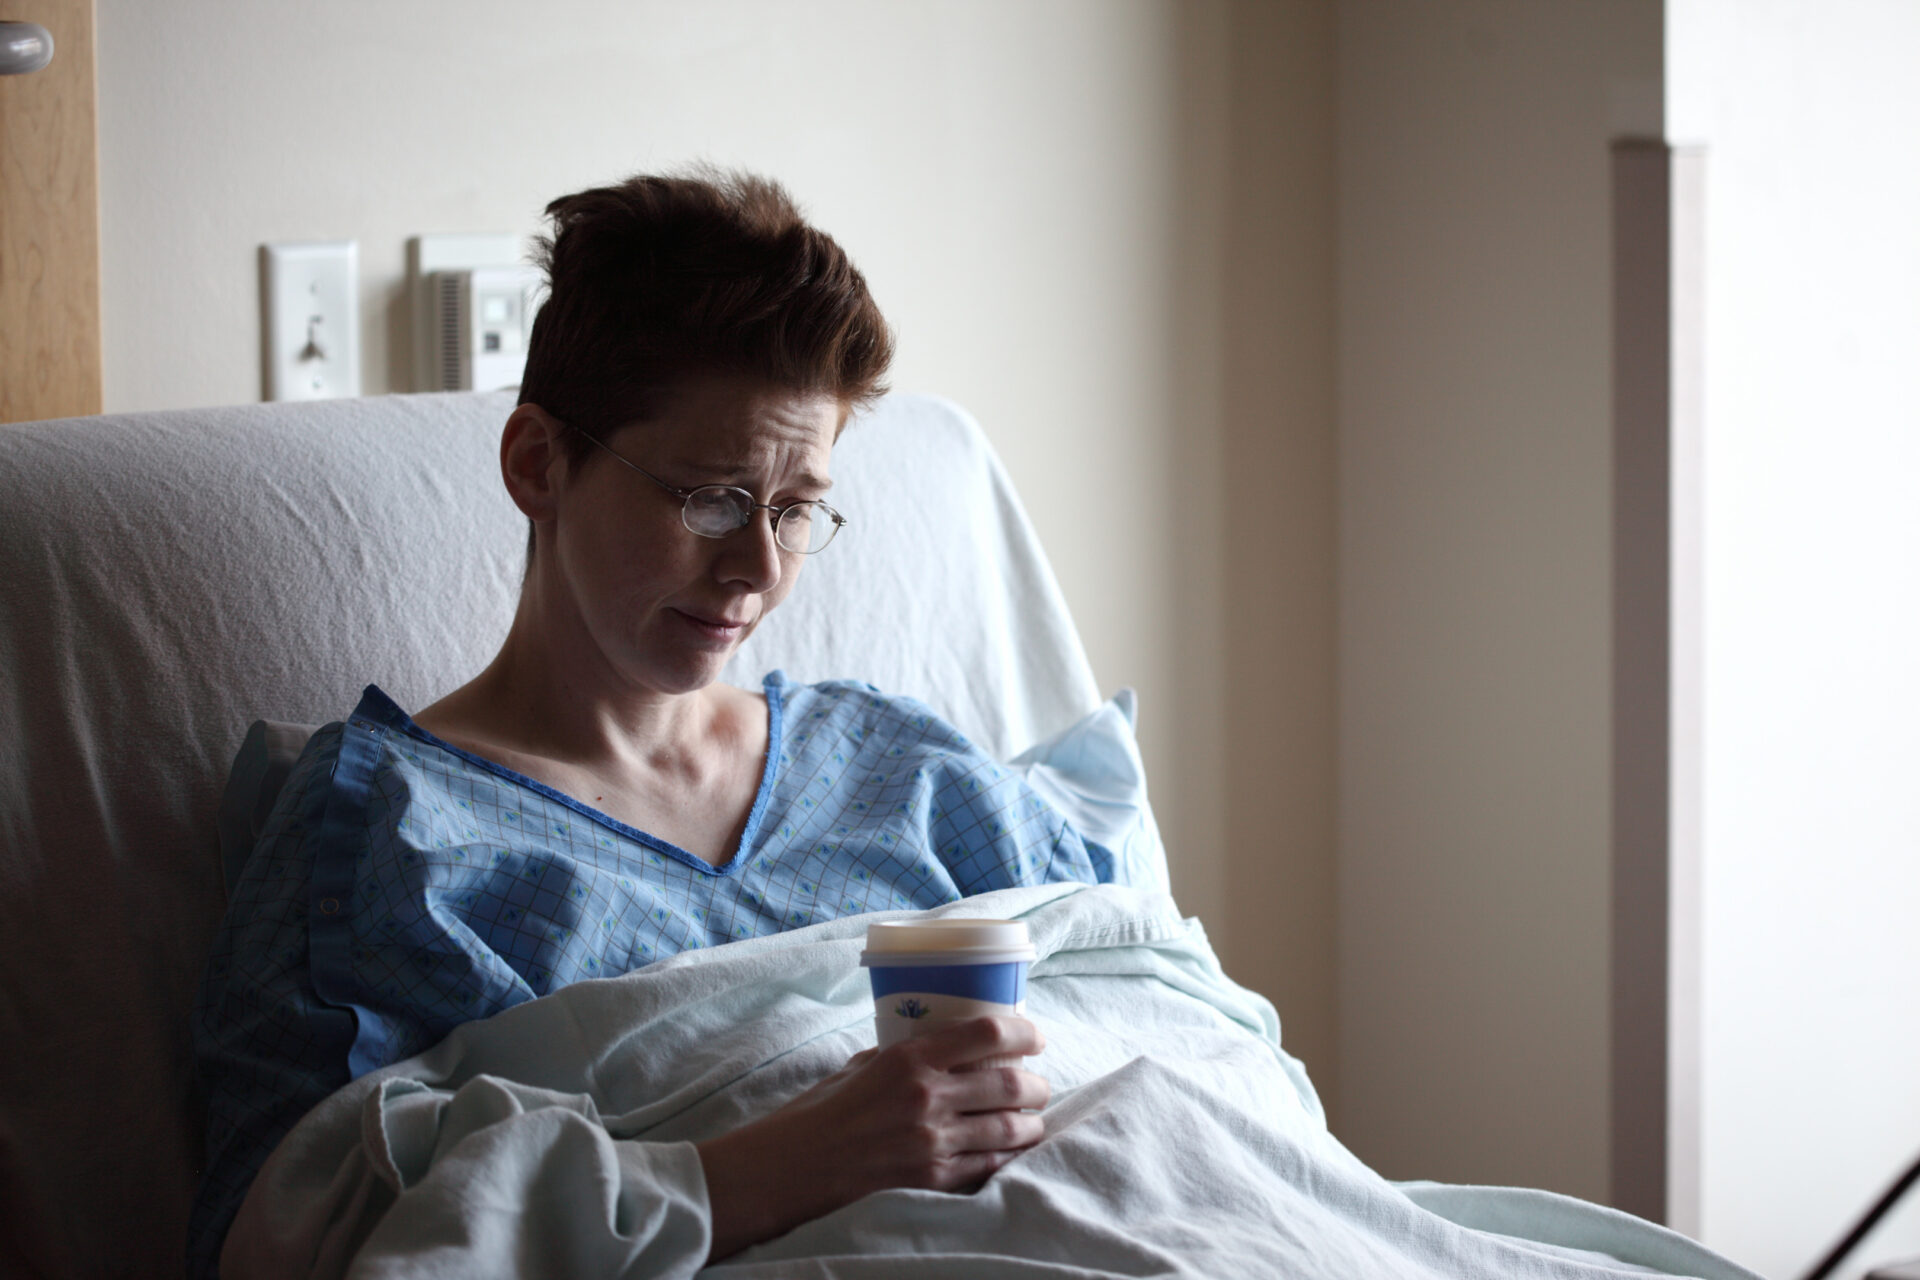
1182 1140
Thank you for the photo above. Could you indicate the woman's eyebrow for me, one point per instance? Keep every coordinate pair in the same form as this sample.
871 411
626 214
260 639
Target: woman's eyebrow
733 474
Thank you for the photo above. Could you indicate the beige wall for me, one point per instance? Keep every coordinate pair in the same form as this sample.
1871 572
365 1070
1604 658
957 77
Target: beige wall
1279 524
1474 499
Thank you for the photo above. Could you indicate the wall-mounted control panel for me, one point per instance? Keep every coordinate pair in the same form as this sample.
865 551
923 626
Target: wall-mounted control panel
482 317
473 299
310 320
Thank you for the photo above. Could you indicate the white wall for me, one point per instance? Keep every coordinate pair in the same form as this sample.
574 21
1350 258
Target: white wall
1016 180
1810 117
1475 510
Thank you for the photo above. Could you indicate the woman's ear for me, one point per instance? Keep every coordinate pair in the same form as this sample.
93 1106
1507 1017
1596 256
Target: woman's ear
533 462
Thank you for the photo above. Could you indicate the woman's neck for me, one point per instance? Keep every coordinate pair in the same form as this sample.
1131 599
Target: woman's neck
534 700
683 767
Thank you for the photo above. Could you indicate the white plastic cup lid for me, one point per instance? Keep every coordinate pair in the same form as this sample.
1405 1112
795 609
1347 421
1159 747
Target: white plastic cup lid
947 941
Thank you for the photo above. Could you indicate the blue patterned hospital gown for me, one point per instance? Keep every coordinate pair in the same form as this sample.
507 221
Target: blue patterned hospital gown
403 886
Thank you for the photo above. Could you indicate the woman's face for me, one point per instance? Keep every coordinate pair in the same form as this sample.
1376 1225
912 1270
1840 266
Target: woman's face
663 607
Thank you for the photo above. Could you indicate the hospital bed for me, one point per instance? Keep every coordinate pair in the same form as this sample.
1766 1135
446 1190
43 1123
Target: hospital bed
168 579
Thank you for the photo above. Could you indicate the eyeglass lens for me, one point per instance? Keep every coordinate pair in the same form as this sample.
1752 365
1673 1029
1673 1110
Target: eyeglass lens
715 511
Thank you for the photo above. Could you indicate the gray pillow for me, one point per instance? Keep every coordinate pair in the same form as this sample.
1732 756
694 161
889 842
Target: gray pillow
259 771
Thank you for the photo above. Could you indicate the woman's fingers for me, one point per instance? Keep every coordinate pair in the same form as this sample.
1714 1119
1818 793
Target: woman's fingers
1005 1131
999 1089
968 1173
968 1042
961 1154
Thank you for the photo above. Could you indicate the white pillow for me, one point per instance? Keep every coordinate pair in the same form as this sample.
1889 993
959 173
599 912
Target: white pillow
1092 773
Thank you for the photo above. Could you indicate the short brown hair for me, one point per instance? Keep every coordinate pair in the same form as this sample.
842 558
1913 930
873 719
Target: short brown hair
661 278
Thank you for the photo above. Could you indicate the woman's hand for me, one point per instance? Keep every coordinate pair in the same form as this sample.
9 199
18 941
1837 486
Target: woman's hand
912 1115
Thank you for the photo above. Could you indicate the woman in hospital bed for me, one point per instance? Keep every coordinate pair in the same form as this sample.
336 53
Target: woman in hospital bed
595 801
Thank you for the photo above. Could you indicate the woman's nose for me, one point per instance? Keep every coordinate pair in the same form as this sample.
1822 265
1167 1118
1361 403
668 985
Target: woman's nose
752 555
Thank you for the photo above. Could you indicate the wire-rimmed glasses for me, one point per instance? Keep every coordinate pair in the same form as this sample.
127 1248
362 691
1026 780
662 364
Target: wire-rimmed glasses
717 510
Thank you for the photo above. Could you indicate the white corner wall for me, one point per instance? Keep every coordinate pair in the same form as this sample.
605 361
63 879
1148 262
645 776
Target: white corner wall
1475 524
1024 185
1810 1052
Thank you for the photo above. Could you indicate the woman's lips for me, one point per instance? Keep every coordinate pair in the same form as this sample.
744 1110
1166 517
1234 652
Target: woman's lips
719 629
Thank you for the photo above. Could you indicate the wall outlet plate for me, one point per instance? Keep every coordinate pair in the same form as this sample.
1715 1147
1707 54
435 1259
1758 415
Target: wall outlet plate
427 254
310 313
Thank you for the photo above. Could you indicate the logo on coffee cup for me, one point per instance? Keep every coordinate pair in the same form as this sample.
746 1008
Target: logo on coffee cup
928 972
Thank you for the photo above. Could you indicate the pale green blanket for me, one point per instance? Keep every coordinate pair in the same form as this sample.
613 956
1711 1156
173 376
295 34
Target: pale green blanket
555 1138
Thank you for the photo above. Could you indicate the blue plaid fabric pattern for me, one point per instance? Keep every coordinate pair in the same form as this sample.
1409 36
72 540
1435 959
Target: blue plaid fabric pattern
403 886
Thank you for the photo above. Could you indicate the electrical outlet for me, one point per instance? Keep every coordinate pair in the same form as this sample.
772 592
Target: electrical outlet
310 304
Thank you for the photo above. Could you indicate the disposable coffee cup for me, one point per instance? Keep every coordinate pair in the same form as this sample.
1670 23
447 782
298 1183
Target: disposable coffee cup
930 973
